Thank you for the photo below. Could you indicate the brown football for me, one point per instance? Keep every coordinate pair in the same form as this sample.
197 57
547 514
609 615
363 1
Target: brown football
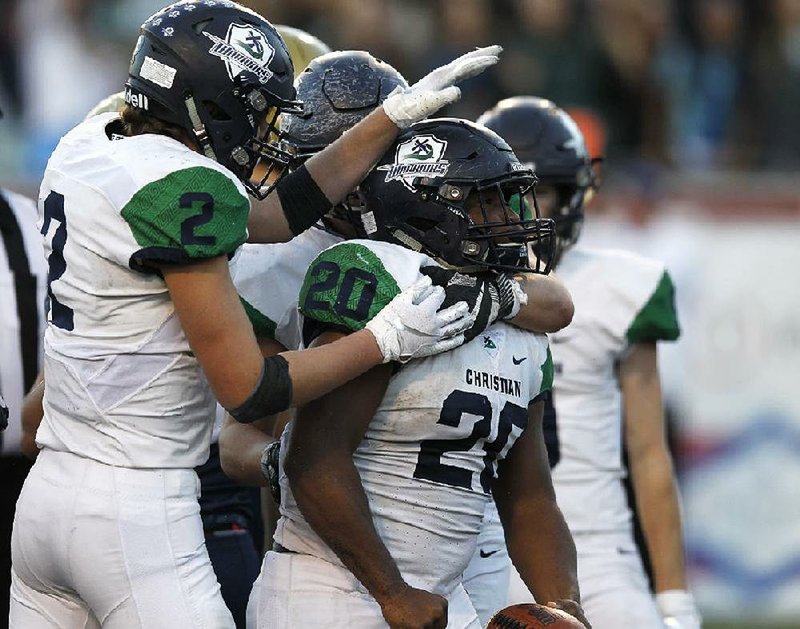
533 616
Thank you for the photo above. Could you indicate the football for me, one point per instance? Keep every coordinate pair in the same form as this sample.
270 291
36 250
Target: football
533 616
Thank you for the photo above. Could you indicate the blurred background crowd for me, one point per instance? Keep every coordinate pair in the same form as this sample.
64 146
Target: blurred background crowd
682 84
696 106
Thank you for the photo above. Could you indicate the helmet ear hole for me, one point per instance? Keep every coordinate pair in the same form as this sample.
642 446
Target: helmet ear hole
216 112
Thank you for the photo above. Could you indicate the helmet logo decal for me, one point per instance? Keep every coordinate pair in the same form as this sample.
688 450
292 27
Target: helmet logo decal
420 156
244 49
136 99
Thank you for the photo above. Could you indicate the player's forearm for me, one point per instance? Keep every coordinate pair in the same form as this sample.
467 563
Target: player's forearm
341 166
334 173
267 222
329 494
319 370
222 338
658 505
542 550
651 467
240 448
549 307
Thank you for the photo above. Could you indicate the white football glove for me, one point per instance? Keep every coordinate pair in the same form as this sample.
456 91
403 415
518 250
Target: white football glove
678 609
411 325
405 106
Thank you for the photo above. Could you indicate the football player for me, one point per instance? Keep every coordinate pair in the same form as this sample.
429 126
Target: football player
139 214
606 391
339 89
386 480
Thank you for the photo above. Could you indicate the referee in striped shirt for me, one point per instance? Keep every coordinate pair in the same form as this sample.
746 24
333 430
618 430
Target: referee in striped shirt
23 286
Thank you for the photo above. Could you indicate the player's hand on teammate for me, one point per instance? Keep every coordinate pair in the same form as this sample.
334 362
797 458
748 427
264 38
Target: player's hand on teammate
405 106
413 326
411 608
489 296
573 608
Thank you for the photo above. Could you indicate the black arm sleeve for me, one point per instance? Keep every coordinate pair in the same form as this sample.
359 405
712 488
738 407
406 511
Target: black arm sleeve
302 201
272 394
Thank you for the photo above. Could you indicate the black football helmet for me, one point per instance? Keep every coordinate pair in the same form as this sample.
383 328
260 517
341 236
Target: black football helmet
547 140
427 190
338 90
221 72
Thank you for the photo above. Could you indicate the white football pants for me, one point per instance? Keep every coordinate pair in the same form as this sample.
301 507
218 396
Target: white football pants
95 545
295 590
487 575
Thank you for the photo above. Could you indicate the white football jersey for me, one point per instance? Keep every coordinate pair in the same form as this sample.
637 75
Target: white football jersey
122 385
268 279
620 298
430 453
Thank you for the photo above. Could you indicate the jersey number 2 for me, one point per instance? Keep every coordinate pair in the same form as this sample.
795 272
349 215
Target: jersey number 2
61 315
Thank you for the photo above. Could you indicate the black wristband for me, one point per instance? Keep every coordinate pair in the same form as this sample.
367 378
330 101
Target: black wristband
302 201
272 394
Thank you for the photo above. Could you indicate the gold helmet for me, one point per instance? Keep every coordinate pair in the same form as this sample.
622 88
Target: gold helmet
303 47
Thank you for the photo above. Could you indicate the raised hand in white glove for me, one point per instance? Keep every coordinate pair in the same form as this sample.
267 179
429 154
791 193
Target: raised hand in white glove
411 325
678 609
405 106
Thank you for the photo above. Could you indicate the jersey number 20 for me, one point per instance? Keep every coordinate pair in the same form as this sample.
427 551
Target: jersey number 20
456 405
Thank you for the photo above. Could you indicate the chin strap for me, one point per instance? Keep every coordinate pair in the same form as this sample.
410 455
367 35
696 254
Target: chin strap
199 129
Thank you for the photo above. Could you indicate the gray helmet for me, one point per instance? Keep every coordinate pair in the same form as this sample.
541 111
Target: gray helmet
338 90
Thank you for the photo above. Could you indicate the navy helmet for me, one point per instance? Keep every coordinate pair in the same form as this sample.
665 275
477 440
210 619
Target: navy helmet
222 73
421 192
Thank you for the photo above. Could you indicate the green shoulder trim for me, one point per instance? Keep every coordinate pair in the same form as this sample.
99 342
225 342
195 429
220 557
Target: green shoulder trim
263 326
191 213
547 373
346 286
658 319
